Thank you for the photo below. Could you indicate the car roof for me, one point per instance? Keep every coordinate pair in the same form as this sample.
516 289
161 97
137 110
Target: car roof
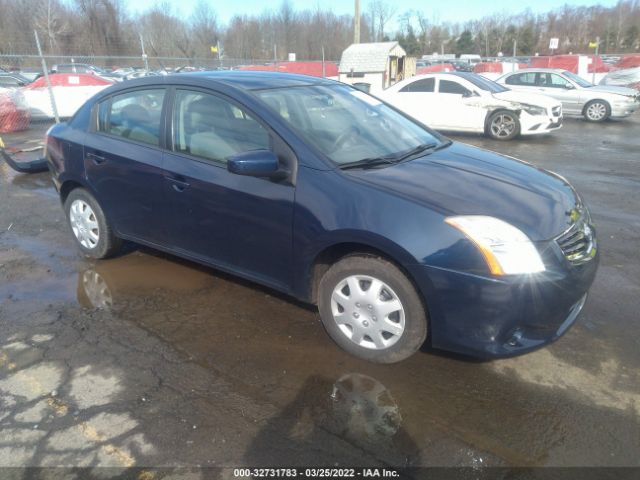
243 80
464 75
535 69
256 80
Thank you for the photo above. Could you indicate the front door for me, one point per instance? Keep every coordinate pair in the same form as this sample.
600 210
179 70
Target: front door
237 222
560 88
458 108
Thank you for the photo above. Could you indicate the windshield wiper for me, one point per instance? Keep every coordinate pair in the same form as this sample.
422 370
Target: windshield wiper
391 159
368 163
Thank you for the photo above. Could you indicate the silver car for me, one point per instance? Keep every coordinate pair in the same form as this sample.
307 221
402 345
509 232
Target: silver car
579 97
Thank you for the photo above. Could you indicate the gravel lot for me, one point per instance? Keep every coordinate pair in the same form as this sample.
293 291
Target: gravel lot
150 361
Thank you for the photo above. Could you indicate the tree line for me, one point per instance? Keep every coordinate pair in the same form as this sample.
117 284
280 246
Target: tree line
107 28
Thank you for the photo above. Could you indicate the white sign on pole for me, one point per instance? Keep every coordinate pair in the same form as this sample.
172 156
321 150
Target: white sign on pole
292 57
553 43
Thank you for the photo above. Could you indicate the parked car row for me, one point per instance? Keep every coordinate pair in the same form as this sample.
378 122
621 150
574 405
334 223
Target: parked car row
525 102
467 102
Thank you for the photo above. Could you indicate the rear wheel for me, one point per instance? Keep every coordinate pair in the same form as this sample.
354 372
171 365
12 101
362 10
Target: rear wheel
597 111
503 125
94 236
371 309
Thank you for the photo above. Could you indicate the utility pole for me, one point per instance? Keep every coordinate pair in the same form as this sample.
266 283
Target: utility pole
52 99
144 55
486 41
356 23
593 77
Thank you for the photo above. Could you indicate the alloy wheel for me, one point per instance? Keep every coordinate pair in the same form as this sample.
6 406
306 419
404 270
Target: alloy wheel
596 111
503 125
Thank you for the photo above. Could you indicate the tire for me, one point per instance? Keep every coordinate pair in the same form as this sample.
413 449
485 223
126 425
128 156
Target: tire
503 125
89 226
359 327
597 111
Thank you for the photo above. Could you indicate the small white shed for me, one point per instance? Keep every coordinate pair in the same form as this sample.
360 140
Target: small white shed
378 65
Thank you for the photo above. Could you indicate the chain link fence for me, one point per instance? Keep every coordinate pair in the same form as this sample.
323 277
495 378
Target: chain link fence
31 101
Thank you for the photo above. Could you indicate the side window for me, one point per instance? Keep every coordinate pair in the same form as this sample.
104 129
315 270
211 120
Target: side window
526 79
210 127
556 81
134 115
8 82
447 86
424 85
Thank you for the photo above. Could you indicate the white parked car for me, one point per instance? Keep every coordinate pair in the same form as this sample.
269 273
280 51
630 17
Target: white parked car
69 90
466 102
578 96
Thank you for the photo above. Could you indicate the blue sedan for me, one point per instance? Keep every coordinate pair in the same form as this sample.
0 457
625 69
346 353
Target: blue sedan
325 193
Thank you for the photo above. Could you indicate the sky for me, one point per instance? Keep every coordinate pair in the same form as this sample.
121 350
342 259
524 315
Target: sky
455 10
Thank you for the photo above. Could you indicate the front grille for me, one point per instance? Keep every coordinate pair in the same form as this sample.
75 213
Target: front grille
556 111
578 244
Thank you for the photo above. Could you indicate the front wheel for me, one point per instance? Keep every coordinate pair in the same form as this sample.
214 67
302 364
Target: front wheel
503 125
597 111
371 309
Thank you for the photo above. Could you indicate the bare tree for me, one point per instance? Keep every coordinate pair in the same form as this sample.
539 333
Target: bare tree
381 12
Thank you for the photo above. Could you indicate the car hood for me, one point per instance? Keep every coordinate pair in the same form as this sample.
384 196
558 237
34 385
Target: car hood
629 92
464 180
528 98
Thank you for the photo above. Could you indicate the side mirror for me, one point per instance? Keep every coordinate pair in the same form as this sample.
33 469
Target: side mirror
469 94
569 86
256 163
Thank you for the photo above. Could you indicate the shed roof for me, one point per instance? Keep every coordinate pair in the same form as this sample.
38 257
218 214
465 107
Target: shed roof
369 57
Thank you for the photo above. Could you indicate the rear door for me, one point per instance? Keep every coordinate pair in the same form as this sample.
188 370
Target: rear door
523 81
418 99
123 160
240 223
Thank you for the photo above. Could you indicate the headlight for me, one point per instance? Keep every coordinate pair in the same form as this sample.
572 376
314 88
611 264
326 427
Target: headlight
533 110
505 248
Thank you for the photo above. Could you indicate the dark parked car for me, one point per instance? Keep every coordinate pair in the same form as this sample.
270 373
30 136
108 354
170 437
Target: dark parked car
85 68
13 80
317 189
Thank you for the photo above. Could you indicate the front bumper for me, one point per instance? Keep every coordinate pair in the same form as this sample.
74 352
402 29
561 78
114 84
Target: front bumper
492 317
624 109
539 124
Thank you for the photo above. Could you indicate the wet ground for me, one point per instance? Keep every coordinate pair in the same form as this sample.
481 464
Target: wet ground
150 361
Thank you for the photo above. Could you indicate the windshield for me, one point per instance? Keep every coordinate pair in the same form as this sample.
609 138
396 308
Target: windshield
485 84
579 80
346 124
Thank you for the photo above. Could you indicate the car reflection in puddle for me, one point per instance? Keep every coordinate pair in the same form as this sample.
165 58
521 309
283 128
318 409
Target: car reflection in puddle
363 408
357 410
107 282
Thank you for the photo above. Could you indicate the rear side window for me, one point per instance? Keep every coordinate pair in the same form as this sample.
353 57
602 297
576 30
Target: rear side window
133 115
528 78
424 85
210 127
447 86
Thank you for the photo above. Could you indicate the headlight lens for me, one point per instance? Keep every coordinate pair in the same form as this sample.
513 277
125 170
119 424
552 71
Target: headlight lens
533 110
505 248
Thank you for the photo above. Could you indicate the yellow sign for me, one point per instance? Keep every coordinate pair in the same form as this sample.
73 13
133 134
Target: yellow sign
593 44
214 49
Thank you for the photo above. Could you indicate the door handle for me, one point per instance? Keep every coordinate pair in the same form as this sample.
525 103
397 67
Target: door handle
178 184
97 159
